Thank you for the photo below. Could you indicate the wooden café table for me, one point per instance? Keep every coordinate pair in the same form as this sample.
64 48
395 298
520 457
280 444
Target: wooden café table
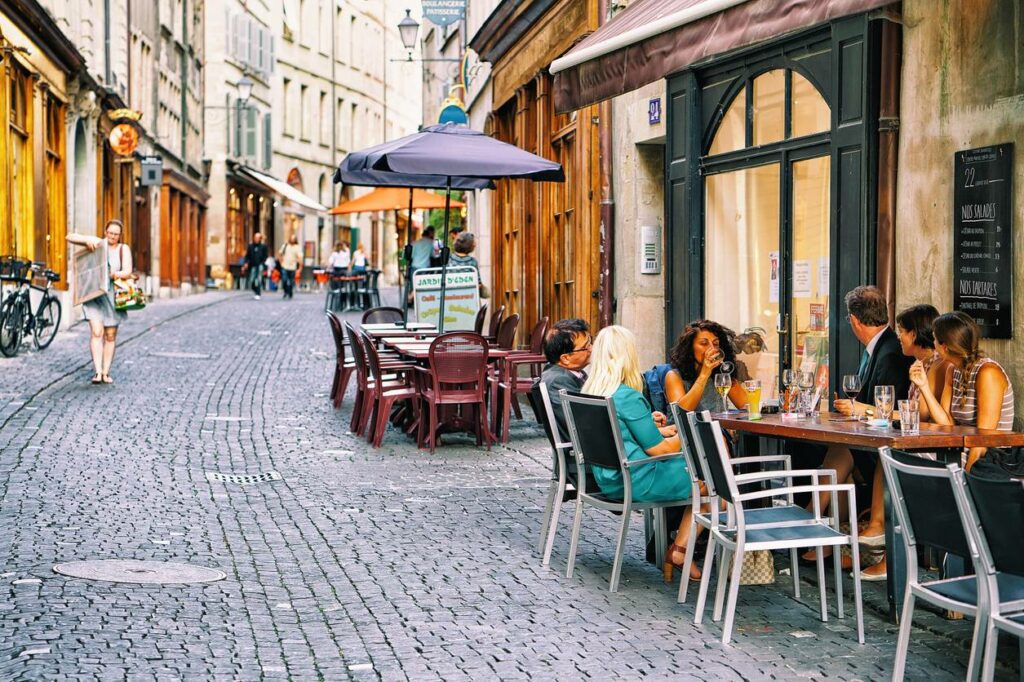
831 428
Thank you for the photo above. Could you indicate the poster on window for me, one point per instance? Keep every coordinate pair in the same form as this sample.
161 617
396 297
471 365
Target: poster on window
91 276
823 276
801 279
773 277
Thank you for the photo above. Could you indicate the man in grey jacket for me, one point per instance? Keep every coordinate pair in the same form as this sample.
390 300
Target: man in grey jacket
567 349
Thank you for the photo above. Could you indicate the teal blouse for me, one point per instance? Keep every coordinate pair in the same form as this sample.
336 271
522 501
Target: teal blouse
658 482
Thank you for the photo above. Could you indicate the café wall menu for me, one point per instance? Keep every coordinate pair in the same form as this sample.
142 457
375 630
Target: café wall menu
983 238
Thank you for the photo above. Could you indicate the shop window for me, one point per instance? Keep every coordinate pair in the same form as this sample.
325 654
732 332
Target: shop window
731 133
810 112
768 107
56 202
20 124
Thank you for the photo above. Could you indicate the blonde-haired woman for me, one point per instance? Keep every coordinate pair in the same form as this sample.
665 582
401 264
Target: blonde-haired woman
103 318
615 373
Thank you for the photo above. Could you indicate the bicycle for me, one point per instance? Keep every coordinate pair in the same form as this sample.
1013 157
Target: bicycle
17 319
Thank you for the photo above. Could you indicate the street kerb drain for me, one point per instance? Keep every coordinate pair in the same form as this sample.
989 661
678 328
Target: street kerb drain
243 479
139 572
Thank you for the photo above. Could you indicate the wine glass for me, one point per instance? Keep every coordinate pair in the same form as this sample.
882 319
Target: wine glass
726 367
851 386
884 396
805 380
723 382
788 383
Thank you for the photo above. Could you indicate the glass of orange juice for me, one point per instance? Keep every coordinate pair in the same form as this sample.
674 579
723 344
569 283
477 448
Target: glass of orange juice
752 387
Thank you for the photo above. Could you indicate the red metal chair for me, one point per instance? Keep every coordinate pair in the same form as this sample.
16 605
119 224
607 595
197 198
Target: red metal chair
382 394
506 337
383 315
456 375
364 384
508 384
345 367
492 328
478 324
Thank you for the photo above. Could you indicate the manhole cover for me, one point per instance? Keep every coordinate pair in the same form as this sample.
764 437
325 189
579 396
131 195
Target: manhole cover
243 479
182 356
141 572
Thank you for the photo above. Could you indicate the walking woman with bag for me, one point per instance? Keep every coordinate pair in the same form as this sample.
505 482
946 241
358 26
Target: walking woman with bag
103 318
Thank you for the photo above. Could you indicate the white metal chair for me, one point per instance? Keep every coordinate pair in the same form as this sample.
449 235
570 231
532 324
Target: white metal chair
925 498
560 479
736 536
993 515
684 422
597 442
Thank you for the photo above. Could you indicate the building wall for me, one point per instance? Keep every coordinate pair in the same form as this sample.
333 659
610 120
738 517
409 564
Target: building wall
638 177
963 87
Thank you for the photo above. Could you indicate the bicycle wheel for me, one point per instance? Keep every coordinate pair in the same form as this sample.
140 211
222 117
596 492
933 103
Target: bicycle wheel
12 327
47 322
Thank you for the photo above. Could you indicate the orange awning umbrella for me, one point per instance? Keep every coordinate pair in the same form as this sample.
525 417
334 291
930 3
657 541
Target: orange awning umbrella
393 199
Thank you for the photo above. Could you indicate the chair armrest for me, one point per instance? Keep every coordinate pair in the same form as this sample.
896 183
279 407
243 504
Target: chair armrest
847 488
786 459
650 459
788 474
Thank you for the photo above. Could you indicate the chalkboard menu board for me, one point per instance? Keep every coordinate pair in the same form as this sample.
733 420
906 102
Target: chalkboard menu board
983 238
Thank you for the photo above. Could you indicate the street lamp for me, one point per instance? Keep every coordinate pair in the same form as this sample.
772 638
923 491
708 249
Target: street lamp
244 88
407 30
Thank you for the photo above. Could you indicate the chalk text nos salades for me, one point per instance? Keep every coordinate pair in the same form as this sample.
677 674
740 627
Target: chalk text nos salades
975 212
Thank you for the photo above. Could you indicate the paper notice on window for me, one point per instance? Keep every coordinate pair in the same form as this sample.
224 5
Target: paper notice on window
801 279
773 277
823 276
92 278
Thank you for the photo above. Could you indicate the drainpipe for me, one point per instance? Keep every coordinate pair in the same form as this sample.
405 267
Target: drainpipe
108 71
606 300
888 145
184 87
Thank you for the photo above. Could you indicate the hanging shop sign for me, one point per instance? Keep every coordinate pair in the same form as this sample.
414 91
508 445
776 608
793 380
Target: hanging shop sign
124 137
983 238
444 12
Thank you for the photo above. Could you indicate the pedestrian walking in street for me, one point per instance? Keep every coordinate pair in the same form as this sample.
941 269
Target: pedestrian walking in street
359 261
340 259
255 257
102 317
421 251
291 265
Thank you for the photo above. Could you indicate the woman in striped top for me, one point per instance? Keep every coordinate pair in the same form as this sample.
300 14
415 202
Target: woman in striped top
976 392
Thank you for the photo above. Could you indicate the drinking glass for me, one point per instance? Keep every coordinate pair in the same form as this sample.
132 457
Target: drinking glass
910 417
789 384
851 387
805 380
713 355
753 390
723 382
884 401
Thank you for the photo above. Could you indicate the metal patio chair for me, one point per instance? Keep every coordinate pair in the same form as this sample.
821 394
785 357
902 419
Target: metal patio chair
561 477
926 507
736 536
456 375
383 315
344 366
995 512
694 455
382 394
597 443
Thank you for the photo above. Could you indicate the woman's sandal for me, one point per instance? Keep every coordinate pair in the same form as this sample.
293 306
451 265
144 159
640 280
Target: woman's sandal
675 557
107 379
97 379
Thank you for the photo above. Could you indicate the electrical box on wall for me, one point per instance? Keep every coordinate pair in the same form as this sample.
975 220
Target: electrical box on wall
650 250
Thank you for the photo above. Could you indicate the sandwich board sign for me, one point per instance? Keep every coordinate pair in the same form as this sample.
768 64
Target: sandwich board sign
461 297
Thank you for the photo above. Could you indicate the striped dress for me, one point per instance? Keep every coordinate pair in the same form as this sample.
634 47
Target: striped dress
967 414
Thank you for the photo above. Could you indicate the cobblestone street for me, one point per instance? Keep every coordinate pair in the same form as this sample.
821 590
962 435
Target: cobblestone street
358 563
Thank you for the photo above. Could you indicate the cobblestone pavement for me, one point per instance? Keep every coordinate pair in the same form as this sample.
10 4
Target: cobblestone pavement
359 563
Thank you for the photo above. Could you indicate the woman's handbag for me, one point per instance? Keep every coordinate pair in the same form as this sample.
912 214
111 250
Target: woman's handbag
484 291
758 568
128 296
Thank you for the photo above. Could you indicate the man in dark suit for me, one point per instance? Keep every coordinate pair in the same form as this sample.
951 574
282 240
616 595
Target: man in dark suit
882 364
567 349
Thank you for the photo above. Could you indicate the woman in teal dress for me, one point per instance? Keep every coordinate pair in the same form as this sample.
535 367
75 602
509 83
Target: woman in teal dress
615 372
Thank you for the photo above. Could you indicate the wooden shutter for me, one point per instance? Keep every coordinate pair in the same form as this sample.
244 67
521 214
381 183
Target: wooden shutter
251 132
268 149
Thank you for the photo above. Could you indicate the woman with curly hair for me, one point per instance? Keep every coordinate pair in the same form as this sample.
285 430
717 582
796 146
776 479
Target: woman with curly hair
689 384
976 391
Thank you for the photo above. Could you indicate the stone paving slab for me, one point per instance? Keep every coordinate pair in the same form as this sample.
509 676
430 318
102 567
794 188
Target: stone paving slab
358 564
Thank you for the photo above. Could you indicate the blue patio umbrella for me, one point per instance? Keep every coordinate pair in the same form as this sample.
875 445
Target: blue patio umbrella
346 174
453 152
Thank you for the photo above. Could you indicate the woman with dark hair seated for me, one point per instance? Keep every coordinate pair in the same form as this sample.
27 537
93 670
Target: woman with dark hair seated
694 360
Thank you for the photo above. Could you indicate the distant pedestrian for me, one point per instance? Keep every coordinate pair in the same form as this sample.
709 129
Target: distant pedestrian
291 265
255 260
103 318
340 259
463 247
359 261
422 250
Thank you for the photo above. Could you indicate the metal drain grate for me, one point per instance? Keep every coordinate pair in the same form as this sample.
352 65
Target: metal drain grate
243 479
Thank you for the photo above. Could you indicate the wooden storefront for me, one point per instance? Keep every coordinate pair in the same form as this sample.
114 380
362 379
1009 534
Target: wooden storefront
250 210
182 231
38 61
545 236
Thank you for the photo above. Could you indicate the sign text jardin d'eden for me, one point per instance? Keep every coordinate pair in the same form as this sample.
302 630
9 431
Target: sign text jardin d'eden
983 238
